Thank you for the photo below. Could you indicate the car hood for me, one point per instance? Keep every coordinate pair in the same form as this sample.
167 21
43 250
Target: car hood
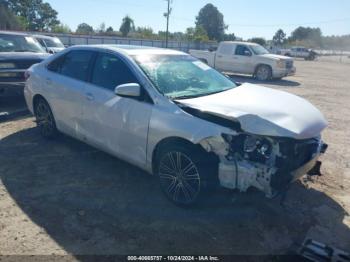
23 56
276 57
263 111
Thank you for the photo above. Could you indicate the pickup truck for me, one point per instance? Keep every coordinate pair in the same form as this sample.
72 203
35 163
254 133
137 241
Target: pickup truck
247 58
301 52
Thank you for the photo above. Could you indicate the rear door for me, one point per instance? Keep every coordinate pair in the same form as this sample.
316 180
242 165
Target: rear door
116 124
224 58
65 85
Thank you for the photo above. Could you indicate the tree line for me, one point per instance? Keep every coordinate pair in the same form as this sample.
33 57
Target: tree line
36 15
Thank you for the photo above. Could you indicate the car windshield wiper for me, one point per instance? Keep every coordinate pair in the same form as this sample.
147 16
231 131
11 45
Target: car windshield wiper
199 95
184 97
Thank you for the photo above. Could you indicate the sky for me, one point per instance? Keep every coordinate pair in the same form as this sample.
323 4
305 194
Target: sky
245 18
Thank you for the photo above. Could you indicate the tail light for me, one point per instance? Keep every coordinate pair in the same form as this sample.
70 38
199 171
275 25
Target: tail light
26 75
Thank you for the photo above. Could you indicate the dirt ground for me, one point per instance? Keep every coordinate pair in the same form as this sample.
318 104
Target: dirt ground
64 197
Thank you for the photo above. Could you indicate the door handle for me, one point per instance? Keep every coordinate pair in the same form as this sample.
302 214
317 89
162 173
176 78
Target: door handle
89 96
219 56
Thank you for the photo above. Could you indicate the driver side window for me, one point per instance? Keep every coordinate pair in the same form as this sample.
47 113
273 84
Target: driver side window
242 50
109 72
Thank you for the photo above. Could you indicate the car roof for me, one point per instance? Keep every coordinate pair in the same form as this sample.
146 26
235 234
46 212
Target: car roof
133 49
44 36
239 42
14 33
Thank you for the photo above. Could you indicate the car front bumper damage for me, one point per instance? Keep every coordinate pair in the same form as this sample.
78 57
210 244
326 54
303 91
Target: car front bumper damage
285 165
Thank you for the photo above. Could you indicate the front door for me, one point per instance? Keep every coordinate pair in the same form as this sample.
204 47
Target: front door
116 124
243 60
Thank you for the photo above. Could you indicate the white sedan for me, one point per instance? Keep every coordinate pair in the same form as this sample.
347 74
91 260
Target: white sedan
177 118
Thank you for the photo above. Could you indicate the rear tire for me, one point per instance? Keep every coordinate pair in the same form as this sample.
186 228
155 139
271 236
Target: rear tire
186 174
45 119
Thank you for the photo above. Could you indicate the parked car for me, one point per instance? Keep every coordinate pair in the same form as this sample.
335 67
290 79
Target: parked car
247 58
177 118
18 52
301 52
50 44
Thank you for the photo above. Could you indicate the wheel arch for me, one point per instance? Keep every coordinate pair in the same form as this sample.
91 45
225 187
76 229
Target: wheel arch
36 99
263 64
170 141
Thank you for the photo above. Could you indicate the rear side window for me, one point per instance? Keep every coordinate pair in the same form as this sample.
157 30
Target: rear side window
55 65
226 49
110 71
76 64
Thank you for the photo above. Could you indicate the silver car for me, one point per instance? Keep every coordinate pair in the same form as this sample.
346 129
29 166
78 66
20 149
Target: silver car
177 118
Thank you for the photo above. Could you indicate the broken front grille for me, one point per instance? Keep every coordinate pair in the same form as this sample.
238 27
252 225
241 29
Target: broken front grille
296 153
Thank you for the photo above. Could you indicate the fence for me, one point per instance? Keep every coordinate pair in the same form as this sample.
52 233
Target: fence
185 46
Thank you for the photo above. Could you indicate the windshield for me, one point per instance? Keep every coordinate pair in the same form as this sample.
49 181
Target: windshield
54 42
182 76
16 43
259 50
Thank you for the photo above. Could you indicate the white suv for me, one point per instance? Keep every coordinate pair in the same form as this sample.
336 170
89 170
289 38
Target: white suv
173 116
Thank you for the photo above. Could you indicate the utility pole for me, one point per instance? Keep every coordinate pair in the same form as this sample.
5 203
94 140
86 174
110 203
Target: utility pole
167 15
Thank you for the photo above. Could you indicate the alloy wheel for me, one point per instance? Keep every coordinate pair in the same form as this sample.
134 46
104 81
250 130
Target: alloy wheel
262 73
179 177
44 119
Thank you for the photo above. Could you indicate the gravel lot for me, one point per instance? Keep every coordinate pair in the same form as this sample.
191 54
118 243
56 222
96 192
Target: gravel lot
59 197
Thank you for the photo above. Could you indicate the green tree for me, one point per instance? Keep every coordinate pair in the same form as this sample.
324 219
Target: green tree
35 15
145 32
308 35
84 29
127 26
258 40
279 38
102 28
212 21
109 29
8 21
61 28
197 34
229 37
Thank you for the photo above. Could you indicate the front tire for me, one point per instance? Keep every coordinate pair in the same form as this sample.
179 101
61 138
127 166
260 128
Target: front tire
186 174
45 119
263 73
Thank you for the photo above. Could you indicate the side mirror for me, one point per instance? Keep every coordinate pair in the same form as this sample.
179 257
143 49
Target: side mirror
128 90
247 53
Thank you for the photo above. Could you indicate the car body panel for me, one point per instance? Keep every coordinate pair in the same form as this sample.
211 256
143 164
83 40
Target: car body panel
264 111
12 79
225 60
132 130
45 40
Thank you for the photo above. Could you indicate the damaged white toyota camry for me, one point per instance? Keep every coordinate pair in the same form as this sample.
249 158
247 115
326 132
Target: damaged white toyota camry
173 116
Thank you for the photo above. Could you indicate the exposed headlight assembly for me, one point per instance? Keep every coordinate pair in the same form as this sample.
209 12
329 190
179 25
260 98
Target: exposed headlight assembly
251 147
257 145
7 65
